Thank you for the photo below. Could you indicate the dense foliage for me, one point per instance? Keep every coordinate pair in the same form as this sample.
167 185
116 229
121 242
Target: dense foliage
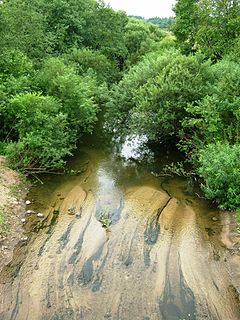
209 26
151 98
62 62
57 61
219 166
182 94
141 38
163 22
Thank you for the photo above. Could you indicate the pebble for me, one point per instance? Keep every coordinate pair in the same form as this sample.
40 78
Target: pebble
23 220
24 238
40 215
214 219
71 211
27 202
30 211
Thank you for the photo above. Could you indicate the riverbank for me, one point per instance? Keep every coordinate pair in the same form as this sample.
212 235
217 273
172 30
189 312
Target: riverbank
12 211
70 267
231 239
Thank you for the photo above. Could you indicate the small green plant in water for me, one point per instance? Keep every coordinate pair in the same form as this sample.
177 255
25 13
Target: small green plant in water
105 218
177 169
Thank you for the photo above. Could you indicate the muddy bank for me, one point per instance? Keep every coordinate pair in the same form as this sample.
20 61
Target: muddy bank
231 239
12 206
161 259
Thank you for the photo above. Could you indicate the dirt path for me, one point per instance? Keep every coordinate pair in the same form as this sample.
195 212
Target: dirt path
158 262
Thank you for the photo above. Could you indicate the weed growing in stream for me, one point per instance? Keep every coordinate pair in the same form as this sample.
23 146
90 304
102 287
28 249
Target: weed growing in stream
105 218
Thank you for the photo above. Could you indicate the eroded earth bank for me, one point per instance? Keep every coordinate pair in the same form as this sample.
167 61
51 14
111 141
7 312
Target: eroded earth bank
161 258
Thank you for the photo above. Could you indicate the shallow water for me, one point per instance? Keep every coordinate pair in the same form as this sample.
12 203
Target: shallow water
161 258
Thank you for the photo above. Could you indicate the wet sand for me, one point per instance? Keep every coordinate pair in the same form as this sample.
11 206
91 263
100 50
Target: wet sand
162 257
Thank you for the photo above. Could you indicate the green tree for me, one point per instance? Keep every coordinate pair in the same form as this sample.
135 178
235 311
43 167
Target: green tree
86 61
44 137
66 21
219 26
22 27
141 37
164 23
105 33
216 117
186 24
15 77
76 93
207 25
152 96
219 166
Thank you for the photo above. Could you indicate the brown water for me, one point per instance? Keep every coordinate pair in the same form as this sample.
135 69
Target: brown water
161 258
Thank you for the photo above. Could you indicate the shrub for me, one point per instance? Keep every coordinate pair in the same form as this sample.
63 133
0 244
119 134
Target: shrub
44 135
219 166
216 117
76 93
86 61
152 96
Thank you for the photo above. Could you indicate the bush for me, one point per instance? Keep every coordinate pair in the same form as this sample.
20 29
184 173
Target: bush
152 96
75 93
44 135
219 166
86 61
216 117
14 62
3 147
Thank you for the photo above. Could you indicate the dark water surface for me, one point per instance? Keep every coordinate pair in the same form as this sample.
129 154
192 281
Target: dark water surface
161 257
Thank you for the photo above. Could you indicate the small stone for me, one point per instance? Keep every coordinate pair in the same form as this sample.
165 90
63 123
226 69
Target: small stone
24 238
71 211
23 220
27 202
30 212
40 215
214 219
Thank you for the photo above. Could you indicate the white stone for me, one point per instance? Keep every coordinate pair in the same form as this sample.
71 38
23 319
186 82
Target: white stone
23 220
28 202
40 215
30 212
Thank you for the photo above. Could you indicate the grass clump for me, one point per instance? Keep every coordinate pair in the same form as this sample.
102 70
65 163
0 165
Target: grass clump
105 218
2 216
4 228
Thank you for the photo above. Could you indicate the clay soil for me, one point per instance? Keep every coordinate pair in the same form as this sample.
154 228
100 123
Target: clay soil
12 194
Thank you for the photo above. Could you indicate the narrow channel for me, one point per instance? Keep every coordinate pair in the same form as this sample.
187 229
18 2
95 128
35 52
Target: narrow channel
160 258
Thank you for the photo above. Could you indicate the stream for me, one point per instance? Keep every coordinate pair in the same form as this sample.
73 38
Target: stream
161 258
